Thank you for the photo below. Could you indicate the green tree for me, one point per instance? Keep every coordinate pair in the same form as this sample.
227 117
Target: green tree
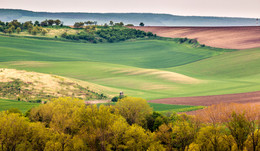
28 24
136 138
57 22
141 24
35 30
78 24
36 23
134 110
44 23
111 23
18 30
50 22
212 138
239 128
13 131
44 31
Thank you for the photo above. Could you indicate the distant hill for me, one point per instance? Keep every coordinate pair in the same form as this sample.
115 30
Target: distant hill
134 18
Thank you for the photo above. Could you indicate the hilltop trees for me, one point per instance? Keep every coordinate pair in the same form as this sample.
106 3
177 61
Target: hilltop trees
57 22
78 24
114 35
111 23
44 23
50 22
141 24
36 23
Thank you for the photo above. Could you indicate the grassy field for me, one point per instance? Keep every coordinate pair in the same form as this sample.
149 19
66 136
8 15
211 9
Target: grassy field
173 108
149 69
167 107
22 106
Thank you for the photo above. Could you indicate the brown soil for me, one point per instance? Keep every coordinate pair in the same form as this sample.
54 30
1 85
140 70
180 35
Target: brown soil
251 97
221 37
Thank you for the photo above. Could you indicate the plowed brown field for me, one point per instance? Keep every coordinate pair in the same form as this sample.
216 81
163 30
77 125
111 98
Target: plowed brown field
221 37
251 97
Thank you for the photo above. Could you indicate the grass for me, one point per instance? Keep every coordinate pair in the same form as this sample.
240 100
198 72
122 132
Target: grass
167 107
143 54
174 108
150 69
22 106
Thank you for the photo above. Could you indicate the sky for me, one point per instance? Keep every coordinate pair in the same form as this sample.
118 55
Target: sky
226 8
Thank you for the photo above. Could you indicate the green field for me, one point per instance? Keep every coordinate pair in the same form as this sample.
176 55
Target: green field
149 69
22 106
167 107
174 108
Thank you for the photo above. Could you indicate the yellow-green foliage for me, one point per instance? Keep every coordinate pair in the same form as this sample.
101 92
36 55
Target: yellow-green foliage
69 124
134 110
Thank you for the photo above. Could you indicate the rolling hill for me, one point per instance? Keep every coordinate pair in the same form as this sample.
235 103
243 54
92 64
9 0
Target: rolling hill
133 18
150 69
220 37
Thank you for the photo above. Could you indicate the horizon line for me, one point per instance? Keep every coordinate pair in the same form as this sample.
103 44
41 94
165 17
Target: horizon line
81 12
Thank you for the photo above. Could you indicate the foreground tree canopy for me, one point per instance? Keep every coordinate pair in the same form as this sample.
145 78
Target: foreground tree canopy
69 124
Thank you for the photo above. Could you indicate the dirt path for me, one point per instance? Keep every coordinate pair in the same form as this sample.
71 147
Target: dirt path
221 37
251 97
97 101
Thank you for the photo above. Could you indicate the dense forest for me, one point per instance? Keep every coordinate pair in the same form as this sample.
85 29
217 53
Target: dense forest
70 124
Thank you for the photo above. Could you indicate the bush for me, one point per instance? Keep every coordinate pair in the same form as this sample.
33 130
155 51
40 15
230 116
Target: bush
116 35
115 99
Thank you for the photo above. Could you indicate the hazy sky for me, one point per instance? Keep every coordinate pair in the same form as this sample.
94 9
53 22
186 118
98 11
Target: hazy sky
231 8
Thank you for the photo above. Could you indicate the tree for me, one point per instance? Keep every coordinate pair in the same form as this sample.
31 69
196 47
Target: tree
119 24
141 24
50 22
18 30
165 136
57 22
134 110
10 30
44 23
130 25
212 138
27 24
44 31
61 114
149 34
136 138
111 23
239 128
35 30
36 23
13 130
253 141
1 28
14 23
78 24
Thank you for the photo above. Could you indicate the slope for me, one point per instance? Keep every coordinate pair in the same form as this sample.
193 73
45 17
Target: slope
150 69
222 37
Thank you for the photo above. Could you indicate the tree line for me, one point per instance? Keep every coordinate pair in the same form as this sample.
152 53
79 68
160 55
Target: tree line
32 28
111 35
70 124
